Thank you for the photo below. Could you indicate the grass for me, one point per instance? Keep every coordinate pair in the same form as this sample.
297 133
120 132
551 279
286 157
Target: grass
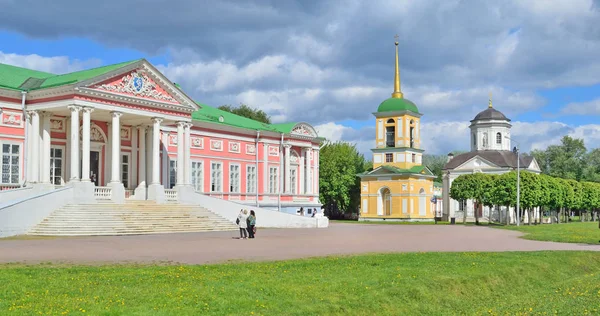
391 284
380 222
582 233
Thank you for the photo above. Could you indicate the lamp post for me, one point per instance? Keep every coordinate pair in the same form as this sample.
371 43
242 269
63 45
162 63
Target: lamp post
518 179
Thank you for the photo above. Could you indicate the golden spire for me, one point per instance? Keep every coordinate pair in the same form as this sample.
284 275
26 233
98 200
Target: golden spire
397 93
490 102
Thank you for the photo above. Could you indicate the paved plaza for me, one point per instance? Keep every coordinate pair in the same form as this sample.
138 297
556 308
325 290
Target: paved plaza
271 244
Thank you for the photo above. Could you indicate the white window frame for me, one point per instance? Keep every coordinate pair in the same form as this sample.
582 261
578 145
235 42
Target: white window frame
237 178
128 155
220 181
198 174
171 173
273 183
251 178
62 164
20 155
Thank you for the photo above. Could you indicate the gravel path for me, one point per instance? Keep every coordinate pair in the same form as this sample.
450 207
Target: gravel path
272 244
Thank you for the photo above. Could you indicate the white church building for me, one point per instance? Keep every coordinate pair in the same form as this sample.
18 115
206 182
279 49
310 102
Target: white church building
491 153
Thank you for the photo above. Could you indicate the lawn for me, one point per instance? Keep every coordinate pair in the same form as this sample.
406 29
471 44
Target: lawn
391 284
587 232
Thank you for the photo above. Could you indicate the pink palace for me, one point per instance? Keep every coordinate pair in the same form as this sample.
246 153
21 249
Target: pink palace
125 131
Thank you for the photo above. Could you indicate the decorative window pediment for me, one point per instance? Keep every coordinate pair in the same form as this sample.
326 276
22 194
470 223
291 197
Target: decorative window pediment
139 84
304 130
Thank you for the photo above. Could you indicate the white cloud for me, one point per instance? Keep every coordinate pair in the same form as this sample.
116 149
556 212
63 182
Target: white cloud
582 108
55 65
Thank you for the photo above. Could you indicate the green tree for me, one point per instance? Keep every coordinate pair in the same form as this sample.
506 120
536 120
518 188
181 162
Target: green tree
339 187
530 195
505 192
463 189
591 171
246 111
435 163
566 160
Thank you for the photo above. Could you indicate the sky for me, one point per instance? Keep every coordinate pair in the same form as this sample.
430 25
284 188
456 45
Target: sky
331 63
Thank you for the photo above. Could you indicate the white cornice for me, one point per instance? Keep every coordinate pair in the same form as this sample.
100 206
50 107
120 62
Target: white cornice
133 100
9 93
10 105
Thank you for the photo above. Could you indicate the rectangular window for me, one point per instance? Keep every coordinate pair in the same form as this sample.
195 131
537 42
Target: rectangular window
251 179
216 177
234 178
172 173
293 181
198 175
10 163
390 135
125 170
56 160
389 157
273 183
414 158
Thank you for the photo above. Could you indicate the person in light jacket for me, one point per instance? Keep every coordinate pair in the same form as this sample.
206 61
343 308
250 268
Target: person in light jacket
241 221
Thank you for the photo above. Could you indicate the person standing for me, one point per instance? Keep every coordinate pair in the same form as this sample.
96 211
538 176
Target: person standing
251 224
241 221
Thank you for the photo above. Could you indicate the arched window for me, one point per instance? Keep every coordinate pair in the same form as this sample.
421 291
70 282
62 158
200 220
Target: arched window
390 121
390 132
474 140
412 134
498 138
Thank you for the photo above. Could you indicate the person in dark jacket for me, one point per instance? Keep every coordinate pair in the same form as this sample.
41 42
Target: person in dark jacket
251 224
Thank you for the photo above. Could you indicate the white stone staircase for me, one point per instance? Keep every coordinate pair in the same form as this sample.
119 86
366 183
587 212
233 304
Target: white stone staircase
131 218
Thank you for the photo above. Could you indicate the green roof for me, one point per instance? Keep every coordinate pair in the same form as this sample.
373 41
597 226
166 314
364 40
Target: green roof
214 115
284 127
397 104
13 77
395 170
26 79
82 75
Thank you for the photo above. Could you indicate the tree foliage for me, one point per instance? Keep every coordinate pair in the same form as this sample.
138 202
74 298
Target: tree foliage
339 187
246 111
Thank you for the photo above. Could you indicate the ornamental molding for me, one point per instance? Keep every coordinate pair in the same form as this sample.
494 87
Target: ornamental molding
250 149
96 134
57 125
197 142
139 84
274 151
12 119
216 145
305 130
234 147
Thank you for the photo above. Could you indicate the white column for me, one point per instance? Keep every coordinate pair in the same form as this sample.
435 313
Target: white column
187 176
108 155
265 168
85 144
116 147
133 164
74 143
156 150
142 163
180 153
309 171
45 154
35 145
164 161
287 169
301 169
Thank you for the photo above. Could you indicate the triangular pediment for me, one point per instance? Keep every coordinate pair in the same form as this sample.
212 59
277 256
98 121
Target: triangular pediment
534 165
475 163
304 129
140 82
379 171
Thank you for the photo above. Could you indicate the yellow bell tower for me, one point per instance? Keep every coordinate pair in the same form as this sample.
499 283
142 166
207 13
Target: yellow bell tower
398 137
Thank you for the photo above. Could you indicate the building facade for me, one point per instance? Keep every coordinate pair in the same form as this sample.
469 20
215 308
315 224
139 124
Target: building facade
490 153
399 187
125 131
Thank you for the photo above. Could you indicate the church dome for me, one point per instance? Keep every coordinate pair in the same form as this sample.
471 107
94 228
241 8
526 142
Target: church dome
490 114
397 104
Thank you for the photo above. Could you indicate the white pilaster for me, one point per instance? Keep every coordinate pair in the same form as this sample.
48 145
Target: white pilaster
74 143
164 161
85 144
45 154
187 177
316 172
265 167
287 169
116 148
180 154
108 165
29 151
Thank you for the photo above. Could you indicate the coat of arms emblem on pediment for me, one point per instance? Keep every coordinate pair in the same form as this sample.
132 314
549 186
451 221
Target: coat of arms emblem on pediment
139 84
